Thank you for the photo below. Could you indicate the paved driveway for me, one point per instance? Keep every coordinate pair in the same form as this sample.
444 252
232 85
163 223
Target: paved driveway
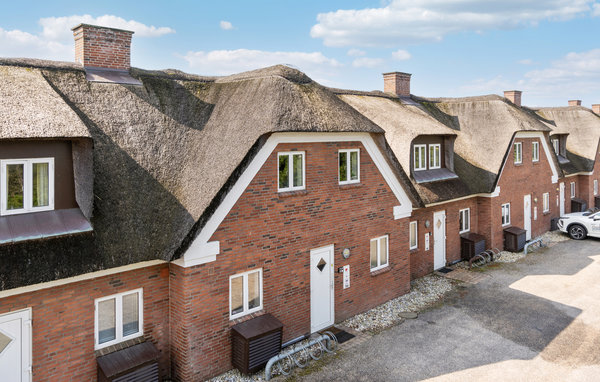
537 319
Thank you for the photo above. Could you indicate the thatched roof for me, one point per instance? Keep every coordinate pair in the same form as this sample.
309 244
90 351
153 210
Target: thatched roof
23 92
167 151
583 129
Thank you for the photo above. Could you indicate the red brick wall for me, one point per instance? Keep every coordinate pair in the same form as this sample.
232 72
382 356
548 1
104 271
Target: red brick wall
102 47
518 180
586 183
275 232
63 321
421 261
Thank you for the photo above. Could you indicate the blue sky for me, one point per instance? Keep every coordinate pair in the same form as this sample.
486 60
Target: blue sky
549 49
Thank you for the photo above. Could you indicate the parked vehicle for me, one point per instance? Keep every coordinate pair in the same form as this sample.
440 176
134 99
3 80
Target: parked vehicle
580 225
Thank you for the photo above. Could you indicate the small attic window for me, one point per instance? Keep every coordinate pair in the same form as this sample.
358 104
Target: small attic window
26 185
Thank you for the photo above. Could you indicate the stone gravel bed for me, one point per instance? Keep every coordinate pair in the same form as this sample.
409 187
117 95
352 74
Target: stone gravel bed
424 292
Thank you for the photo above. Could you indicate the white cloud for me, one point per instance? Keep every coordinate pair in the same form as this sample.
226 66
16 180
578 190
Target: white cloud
356 53
596 12
411 21
367 62
55 41
401 55
526 61
224 62
226 25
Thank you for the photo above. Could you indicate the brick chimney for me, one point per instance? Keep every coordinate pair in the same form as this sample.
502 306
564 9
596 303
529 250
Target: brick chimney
513 96
102 47
575 102
397 83
596 108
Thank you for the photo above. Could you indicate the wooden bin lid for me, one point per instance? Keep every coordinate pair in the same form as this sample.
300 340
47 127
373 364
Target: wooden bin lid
127 359
515 230
257 326
472 236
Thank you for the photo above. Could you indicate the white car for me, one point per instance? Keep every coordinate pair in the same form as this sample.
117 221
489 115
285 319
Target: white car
580 225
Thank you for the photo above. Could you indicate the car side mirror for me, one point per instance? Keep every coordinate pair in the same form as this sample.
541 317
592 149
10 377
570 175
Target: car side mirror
596 218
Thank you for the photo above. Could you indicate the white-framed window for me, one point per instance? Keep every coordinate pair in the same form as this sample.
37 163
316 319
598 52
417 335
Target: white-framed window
420 157
118 318
26 185
435 159
572 190
595 186
546 201
518 152
379 253
413 235
245 293
535 152
290 175
464 220
556 145
506 214
349 166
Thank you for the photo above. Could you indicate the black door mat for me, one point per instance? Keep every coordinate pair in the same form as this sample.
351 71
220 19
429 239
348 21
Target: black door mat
343 336
445 270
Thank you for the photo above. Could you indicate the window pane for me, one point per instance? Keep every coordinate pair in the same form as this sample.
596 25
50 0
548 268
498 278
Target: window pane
15 181
237 295
41 187
298 170
467 218
422 153
107 327
461 220
417 158
284 171
253 290
373 253
383 251
354 165
413 235
131 317
343 167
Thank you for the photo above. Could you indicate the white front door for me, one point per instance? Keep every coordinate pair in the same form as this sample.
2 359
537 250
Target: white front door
321 288
15 346
527 216
439 239
561 199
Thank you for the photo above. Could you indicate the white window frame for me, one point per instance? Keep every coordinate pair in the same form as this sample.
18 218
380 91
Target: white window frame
572 190
413 227
27 186
349 166
535 152
546 202
424 164
518 152
595 187
119 318
556 145
290 155
437 158
462 212
245 310
505 214
379 265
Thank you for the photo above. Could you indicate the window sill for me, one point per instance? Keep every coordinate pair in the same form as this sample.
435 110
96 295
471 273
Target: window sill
546 212
120 346
518 164
350 185
380 271
288 194
249 316
465 231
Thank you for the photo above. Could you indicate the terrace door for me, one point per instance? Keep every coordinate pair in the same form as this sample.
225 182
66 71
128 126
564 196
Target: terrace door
439 239
561 199
15 346
527 216
321 288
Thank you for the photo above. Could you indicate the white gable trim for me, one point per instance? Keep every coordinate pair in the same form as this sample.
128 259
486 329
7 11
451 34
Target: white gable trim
202 251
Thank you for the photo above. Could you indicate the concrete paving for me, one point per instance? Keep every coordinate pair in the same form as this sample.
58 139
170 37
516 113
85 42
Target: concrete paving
537 319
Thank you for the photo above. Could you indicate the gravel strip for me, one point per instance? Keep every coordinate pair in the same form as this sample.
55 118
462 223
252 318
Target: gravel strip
424 292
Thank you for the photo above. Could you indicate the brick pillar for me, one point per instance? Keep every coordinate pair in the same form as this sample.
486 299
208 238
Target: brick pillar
102 47
397 83
596 108
513 96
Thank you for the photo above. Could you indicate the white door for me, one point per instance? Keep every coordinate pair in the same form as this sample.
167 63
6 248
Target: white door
15 346
527 216
321 288
439 239
561 199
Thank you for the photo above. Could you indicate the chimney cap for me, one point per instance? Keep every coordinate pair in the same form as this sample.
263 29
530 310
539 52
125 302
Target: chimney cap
513 91
406 74
82 25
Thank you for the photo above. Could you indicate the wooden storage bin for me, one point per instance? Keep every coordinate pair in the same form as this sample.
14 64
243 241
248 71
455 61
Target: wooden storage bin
254 342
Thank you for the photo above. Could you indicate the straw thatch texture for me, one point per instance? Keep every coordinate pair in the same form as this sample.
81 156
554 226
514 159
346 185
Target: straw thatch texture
583 127
29 108
165 150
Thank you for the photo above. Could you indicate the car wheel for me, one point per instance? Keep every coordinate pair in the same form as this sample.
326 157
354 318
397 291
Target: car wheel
577 232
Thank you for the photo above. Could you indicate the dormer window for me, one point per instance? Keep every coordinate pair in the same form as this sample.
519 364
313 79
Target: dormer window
26 185
559 144
419 155
435 160
556 146
432 158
